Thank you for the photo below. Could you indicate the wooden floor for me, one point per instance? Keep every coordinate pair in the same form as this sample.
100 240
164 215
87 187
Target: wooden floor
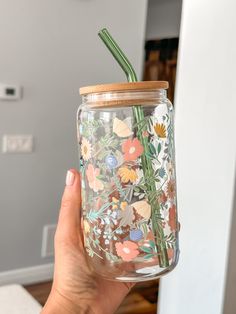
142 299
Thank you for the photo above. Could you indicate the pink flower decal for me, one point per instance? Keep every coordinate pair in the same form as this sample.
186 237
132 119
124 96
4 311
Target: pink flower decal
92 174
162 198
132 149
170 253
145 133
98 203
127 250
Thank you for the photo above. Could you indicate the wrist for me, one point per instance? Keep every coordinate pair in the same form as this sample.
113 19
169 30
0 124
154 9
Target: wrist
60 304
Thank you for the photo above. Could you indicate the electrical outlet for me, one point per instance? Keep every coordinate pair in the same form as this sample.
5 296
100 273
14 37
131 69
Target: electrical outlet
48 240
17 143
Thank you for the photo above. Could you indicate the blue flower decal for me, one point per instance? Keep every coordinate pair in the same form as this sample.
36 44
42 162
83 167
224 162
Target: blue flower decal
162 172
111 161
136 235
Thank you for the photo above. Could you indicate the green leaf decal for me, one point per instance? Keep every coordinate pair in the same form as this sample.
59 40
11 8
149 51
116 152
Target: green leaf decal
152 244
145 249
148 256
152 148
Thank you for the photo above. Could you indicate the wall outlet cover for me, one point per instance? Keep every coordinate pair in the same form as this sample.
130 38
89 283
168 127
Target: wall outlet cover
48 240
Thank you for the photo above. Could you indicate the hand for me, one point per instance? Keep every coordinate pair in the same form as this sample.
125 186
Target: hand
76 289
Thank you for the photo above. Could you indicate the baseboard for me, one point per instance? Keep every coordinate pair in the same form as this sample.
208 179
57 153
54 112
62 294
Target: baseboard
27 275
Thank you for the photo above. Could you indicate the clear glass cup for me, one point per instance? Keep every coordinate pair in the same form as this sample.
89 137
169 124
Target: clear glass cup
127 164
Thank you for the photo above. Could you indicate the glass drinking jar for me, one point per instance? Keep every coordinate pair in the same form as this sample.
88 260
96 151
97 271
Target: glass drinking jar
126 151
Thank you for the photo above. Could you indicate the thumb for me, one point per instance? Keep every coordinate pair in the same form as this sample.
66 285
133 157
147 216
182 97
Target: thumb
69 226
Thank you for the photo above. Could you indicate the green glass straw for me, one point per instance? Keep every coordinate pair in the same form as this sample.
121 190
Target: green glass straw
146 162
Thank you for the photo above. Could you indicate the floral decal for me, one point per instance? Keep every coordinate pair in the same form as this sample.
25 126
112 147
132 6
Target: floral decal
132 149
127 250
86 149
172 218
143 208
86 226
136 235
162 198
160 130
127 175
171 189
111 161
119 222
92 176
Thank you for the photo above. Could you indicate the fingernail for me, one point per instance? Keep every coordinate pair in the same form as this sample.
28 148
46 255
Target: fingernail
70 178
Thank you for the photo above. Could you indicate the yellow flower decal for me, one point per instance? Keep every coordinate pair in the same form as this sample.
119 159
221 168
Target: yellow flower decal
160 130
123 205
127 175
116 201
86 149
86 227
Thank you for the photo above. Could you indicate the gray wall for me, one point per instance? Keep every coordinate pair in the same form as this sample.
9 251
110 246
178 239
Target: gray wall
51 48
163 19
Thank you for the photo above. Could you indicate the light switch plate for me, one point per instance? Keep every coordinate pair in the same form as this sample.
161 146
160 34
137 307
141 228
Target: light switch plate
10 92
17 143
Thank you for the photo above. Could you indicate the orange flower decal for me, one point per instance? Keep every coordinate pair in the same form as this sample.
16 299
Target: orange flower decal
94 183
171 189
127 250
132 149
160 130
172 218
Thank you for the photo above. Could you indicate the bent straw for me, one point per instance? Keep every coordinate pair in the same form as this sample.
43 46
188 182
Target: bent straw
146 162
118 55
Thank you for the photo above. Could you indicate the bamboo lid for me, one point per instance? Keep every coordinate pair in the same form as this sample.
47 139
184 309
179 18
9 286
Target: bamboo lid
119 87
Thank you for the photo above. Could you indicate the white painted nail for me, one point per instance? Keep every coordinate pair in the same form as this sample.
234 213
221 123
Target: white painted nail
70 178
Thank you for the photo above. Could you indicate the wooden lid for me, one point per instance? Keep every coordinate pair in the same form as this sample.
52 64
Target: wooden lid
119 87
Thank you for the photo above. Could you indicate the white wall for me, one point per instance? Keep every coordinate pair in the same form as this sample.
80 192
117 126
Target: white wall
52 49
163 19
206 147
